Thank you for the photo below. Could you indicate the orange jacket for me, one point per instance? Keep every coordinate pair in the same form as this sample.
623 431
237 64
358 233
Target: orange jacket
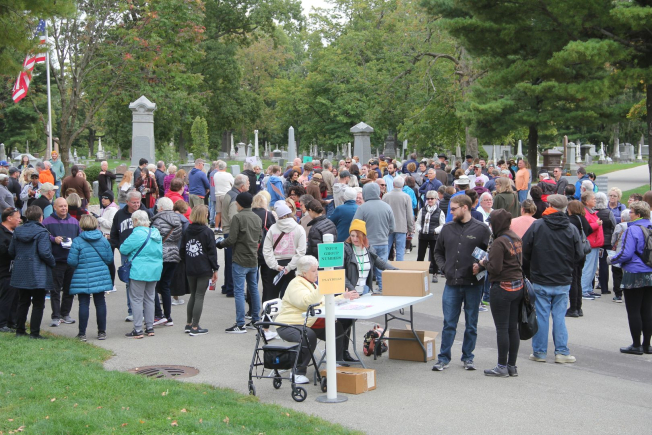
46 177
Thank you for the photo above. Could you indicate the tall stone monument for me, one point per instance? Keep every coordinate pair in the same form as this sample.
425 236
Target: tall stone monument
292 145
362 141
142 138
390 146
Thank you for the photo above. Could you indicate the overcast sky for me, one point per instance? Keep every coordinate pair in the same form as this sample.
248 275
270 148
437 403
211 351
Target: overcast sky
309 4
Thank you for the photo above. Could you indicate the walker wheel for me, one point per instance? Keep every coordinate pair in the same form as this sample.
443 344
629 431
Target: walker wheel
323 384
299 394
252 389
277 382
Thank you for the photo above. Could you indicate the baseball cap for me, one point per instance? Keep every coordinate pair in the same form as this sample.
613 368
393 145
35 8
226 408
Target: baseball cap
4 163
13 170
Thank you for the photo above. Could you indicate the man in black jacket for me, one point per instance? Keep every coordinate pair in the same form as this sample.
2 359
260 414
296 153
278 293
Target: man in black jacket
105 178
122 228
160 178
548 240
251 175
453 254
8 294
15 187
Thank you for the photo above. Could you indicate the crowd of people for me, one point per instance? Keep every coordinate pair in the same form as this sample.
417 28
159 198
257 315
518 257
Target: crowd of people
168 225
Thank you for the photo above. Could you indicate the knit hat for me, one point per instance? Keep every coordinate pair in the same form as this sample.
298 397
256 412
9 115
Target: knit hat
559 202
281 208
108 195
350 194
244 199
358 225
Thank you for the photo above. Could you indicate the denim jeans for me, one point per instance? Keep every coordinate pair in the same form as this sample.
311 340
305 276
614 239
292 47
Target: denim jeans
383 252
588 272
163 287
486 289
250 274
100 311
58 191
400 244
451 301
551 300
522 195
330 208
124 258
211 211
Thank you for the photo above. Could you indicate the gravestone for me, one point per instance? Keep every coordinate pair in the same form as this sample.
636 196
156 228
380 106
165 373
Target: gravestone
362 141
588 160
235 170
390 146
603 183
142 138
292 145
551 159
277 155
3 154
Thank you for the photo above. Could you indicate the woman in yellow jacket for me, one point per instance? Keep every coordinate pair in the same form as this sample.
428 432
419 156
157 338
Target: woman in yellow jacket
301 293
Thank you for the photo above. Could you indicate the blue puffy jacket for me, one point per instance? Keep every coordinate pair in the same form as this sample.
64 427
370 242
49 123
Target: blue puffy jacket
149 263
90 253
33 261
342 218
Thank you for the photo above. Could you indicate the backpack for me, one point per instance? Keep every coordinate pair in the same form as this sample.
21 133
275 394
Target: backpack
646 256
371 340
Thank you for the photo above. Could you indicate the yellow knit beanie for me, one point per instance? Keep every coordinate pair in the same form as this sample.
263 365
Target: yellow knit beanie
358 225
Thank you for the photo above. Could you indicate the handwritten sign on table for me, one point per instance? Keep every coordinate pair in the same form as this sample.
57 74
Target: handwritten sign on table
331 282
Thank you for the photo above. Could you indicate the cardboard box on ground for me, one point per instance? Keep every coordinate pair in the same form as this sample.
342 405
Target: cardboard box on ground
410 350
410 280
352 380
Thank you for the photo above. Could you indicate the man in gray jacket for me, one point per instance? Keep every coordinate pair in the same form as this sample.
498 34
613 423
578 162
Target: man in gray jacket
379 218
401 205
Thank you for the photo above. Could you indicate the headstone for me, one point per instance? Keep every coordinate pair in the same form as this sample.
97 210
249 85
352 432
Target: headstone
603 183
639 156
232 152
241 152
601 158
142 138
249 149
15 154
282 163
616 153
588 159
277 155
519 152
256 143
458 152
191 158
3 154
362 141
121 169
390 146
551 159
235 170
578 152
292 145
96 188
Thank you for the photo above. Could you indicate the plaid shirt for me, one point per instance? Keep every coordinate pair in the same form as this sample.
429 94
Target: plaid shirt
512 286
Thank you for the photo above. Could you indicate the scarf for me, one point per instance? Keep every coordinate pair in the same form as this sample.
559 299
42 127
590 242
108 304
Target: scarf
425 229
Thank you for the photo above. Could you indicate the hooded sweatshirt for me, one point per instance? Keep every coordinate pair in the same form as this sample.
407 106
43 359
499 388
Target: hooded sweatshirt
275 188
505 255
33 261
199 251
551 248
377 214
198 182
292 245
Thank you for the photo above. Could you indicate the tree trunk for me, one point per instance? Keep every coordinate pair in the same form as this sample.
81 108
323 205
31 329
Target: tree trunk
648 119
471 143
532 142
91 142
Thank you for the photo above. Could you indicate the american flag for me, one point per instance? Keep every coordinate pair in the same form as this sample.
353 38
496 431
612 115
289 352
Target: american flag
22 83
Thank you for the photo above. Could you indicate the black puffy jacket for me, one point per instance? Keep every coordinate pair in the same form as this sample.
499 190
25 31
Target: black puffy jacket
318 227
608 225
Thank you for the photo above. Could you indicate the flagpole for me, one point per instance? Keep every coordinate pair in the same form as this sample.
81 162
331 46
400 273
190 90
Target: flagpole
48 152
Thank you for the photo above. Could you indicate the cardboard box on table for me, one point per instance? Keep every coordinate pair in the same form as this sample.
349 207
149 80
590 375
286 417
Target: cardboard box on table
411 265
413 283
410 350
354 380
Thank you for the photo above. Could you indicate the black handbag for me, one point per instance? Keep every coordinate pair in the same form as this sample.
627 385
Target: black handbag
125 270
528 324
586 245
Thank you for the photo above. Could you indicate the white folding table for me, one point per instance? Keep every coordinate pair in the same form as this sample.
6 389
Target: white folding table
369 307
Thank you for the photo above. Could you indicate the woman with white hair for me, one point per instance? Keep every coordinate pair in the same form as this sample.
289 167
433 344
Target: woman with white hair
615 195
596 239
169 225
144 247
430 220
608 226
486 201
172 172
301 293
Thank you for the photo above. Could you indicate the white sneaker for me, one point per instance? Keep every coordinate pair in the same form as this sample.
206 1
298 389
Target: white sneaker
160 321
178 302
270 335
301 379
129 318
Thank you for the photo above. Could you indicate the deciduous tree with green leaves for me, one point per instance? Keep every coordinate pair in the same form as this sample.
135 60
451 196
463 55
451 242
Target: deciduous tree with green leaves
199 134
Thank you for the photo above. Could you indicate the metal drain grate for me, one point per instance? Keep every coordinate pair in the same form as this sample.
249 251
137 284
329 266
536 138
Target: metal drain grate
172 372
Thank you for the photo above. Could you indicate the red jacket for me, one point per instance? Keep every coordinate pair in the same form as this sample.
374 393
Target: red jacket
596 238
176 196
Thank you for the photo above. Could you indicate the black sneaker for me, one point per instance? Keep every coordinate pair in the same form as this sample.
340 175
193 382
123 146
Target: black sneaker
497 372
135 334
580 312
512 370
101 335
81 337
434 278
468 365
572 313
250 325
235 329
618 299
149 332
198 331
6 329
248 315
439 366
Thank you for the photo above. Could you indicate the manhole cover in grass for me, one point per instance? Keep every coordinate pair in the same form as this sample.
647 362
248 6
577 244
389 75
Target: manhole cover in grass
165 371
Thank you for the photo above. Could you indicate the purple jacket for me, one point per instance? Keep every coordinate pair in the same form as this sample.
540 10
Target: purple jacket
631 248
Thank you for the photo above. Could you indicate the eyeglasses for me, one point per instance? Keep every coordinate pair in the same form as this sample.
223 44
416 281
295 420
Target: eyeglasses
430 199
347 162
382 184
454 208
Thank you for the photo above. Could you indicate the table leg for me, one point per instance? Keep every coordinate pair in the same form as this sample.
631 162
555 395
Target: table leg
355 345
416 337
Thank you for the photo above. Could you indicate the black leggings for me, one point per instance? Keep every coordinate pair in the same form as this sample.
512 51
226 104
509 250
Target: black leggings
638 302
504 309
575 293
421 253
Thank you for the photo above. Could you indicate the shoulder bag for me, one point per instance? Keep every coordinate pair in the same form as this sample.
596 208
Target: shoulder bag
586 245
125 270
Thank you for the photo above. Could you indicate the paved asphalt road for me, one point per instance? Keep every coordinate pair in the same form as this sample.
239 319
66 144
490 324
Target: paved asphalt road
628 179
605 392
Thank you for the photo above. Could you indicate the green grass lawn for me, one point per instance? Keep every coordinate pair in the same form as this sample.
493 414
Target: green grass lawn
59 386
641 190
605 169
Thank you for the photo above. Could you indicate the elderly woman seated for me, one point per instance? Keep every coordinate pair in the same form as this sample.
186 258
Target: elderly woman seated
301 293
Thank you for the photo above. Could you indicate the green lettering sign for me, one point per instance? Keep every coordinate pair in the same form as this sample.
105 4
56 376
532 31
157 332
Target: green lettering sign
331 254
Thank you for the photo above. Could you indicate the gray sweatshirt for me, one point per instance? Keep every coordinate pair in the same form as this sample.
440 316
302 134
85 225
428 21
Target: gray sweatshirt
401 205
378 215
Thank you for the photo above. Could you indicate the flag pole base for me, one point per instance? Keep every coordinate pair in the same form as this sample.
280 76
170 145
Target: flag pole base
337 399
